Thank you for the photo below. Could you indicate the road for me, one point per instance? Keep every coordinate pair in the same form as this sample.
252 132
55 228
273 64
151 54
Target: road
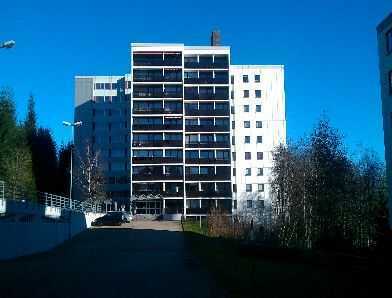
140 259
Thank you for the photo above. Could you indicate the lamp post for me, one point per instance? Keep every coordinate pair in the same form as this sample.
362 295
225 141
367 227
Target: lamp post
7 44
72 125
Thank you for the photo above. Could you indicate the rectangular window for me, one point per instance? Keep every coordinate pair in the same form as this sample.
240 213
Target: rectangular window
260 187
258 93
248 172
258 108
247 124
259 155
233 155
246 108
232 94
389 41
245 79
248 187
233 140
248 156
259 124
232 79
234 201
249 204
234 171
246 93
257 78
232 109
260 172
259 139
247 139
232 124
234 187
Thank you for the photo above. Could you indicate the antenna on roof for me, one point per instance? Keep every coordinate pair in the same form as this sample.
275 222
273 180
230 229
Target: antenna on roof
215 38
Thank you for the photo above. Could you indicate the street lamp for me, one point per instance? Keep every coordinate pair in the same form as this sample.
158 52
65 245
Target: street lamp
8 44
72 125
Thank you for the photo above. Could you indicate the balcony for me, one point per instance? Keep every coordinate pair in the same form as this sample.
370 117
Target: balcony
196 211
207 194
143 94
156 127
207 161
207 65
207 96
156 160
157 143
167 94
156 111
208 145
156 176
212 112
206 81
207 177
203 128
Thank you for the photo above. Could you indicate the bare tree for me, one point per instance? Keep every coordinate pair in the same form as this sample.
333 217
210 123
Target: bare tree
90 178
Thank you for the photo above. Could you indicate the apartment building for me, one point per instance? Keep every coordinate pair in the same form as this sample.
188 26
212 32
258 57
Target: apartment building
258 126
200 130
384 36
102 104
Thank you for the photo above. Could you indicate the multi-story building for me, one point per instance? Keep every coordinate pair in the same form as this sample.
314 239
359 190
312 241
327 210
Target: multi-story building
384 34
258 126
188 147
102 104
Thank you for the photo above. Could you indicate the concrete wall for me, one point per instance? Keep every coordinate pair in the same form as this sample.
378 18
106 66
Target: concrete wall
28 228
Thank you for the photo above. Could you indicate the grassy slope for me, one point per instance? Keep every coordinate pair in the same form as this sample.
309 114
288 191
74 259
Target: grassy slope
257 277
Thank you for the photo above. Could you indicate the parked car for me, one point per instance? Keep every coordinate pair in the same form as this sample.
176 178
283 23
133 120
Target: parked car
113 218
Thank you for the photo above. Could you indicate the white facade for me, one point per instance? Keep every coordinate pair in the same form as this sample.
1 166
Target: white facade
258 98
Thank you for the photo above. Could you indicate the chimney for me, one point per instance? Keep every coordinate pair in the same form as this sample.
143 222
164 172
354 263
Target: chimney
215 38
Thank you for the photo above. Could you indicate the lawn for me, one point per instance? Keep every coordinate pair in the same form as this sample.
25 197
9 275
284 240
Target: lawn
244 276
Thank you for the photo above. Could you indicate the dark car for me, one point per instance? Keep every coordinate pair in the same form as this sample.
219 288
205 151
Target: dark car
115 218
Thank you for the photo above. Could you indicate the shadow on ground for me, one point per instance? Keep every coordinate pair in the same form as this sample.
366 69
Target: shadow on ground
109 262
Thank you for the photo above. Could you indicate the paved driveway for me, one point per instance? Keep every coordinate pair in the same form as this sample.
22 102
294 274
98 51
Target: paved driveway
140 259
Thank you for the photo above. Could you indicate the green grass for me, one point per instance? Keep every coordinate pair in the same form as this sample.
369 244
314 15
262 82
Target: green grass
243 276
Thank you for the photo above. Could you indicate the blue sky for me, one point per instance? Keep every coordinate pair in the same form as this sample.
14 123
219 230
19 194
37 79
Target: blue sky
328 48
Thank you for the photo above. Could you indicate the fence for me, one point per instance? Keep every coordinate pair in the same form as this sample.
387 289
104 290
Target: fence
47 199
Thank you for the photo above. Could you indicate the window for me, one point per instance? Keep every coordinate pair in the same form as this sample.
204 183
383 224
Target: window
232 109
258 93
389 41
260 187
248 172
232 79
232 94
249 204
234 171
248 156
245 79
232 124
248 187
246 108
247 124
234 201
234 187
260 172
233 140
246 93
259 155
258 108
234 156
259 139
247 139
257 78
259 124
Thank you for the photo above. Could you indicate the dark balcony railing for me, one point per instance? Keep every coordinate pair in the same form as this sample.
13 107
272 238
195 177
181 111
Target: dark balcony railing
207 194
156 111
142 94
206 65
206 96
156 160
207 128
208 145
172 194
194 112
172 94
207 161
152 177
206 80
159 78
162 143
196 210
207 177
156 127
